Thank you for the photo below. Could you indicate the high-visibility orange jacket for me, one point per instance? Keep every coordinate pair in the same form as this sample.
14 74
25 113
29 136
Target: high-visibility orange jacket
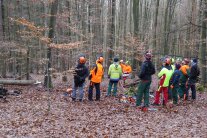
127 69
97 73
122 66
184 69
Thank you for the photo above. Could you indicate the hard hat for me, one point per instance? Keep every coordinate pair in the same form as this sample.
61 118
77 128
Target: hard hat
167 61
100 59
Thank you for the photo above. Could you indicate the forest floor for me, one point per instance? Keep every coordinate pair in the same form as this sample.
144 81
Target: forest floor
39 113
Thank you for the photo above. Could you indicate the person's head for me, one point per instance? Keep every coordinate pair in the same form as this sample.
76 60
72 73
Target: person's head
186 61
121 61
167 61
177 66
100 59
116 59
148 55
195 60
82 60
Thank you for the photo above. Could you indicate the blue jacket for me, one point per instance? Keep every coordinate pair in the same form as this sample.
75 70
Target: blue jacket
176 77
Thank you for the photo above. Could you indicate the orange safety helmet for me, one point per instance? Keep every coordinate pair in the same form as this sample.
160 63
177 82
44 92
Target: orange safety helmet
100 59
82 60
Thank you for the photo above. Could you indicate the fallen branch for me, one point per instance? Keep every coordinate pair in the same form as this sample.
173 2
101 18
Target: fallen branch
17 82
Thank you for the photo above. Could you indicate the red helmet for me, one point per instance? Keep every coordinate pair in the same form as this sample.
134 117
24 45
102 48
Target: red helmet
82 60
167 61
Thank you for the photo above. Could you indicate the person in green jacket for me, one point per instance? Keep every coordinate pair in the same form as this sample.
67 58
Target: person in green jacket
114 74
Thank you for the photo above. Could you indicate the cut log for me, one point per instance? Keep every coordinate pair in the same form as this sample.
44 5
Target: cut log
17 82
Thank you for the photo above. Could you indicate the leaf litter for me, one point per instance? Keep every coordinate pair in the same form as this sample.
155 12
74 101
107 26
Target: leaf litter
35 114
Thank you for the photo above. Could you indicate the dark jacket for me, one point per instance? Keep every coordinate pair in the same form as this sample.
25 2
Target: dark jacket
81 73
176 77
194 72
147 70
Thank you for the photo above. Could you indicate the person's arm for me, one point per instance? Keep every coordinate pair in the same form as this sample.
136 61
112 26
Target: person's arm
120 72
109 71
161 73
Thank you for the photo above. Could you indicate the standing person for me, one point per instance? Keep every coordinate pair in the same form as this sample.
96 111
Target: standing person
185 69
175 83
165 75
80 74
127 69
194 73
96 75
147 70
114 74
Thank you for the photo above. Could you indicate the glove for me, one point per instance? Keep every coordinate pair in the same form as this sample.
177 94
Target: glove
171 86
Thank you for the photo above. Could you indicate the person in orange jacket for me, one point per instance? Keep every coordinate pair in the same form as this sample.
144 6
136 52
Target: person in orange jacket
121 62
127 68
96 75
183 78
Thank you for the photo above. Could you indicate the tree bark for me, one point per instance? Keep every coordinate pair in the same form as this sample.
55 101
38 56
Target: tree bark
112 45
203 46
1 20
52 23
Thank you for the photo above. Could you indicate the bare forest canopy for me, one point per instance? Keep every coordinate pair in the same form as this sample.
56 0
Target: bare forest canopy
40 35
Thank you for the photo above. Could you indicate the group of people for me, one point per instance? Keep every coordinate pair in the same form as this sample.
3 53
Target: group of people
175 79
115 71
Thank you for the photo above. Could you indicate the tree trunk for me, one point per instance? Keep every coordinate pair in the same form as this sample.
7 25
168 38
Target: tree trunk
112 45
155 32
136 30
1 20
203 46
155 25
52 23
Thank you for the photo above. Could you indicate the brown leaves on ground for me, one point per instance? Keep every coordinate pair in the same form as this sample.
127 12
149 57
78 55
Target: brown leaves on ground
38 113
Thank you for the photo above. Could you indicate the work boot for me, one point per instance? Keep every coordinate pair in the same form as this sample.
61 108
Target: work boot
73 99
97 100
